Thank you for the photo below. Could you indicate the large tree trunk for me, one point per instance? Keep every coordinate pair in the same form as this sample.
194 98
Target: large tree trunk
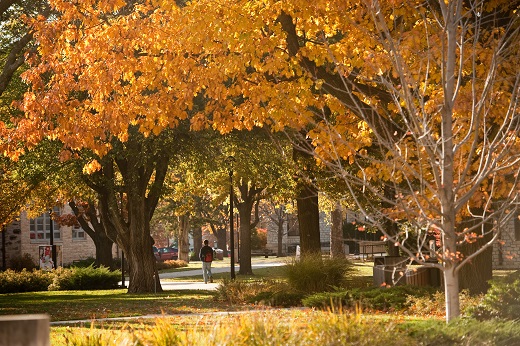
391 227
221 235
143 276
184 244
336 233
279 234
197 240
308 220
250 198
128 207
307 203
245 239
104 251
451 293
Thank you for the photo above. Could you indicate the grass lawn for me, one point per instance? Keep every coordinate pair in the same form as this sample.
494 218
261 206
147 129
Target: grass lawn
74 305
193 311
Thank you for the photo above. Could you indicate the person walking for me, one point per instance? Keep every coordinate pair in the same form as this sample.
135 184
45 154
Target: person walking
206 256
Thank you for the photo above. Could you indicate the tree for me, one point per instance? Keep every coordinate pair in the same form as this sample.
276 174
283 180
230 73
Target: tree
277 214
74 82
336 232
419 97
438 90
261 170
15 184
16 38
127 203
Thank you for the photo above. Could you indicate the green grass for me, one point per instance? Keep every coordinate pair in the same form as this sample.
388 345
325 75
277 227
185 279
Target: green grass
188 316
73 305
291 327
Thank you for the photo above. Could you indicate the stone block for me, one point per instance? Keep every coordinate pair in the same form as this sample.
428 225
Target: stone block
24 330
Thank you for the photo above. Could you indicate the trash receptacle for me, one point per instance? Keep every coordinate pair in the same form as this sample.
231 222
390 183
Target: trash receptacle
219 254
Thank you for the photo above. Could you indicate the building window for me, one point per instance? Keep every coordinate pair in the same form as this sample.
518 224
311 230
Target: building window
40 228
78 233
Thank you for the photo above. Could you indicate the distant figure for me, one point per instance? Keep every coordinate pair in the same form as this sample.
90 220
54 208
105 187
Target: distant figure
206 256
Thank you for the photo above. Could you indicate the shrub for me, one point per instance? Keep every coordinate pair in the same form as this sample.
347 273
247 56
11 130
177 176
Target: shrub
171 264
26 261
435 304
375 298
266 292
502 300
312 273
464 331
278 298
88 278
25 281
84 263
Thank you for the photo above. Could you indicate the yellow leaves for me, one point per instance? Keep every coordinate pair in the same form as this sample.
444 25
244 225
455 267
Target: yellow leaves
91 167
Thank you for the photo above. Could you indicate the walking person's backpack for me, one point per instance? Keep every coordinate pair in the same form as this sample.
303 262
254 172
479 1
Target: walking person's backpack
208 257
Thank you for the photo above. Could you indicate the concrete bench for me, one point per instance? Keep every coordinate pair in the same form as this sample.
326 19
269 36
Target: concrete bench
24 330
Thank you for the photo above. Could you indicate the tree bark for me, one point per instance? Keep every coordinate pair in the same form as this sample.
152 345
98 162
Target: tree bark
279 234
451 293
197 240
336 233
184 244
308 219
128 207
221 235
250 198
391 227
307 201
245 240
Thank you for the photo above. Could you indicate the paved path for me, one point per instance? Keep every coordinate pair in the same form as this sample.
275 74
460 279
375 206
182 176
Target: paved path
200 285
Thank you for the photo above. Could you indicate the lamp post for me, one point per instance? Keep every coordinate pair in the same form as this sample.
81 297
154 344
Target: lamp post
230 161
53 247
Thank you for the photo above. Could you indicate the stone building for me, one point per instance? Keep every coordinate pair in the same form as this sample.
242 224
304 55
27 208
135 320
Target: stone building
291 235
25 236
506 252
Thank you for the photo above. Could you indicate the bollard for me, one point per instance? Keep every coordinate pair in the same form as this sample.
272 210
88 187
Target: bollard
24 330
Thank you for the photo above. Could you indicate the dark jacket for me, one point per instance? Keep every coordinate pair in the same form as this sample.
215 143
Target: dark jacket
206 250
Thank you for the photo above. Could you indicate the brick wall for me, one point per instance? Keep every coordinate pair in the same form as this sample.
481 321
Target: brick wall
19 242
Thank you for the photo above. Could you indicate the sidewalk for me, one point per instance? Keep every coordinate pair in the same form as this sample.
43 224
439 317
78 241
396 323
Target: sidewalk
200 285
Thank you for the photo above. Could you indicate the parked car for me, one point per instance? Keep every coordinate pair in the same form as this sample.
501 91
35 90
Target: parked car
168 253
156 253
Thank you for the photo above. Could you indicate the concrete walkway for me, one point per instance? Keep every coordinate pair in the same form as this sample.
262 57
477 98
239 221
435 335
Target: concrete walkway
168 285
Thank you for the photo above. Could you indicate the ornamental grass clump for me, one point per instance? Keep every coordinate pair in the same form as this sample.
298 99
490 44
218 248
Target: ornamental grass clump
277 328
312 273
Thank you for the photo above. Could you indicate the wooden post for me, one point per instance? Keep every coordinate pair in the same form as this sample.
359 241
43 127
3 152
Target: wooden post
24 330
